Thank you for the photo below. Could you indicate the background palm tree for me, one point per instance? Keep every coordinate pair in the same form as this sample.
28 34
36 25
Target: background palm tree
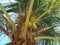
43 18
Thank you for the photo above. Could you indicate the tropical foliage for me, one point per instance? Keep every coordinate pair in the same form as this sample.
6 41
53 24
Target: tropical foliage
37 20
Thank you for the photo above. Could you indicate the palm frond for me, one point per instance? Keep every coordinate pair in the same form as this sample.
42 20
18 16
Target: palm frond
47 37
28 16
8 17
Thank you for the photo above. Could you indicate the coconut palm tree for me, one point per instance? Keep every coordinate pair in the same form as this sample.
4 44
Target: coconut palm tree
37 20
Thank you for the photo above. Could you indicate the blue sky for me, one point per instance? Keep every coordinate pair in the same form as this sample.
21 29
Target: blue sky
6 1
4 39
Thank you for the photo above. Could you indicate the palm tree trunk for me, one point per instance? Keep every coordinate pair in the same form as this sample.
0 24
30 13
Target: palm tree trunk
17 39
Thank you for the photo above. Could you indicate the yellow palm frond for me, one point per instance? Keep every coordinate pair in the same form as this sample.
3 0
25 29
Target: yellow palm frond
8 18
28 16
47 37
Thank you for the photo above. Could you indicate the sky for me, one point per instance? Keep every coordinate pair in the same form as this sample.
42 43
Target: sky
4 39
6 1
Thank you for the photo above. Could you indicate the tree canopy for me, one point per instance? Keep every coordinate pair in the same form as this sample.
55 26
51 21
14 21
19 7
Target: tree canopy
37 18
